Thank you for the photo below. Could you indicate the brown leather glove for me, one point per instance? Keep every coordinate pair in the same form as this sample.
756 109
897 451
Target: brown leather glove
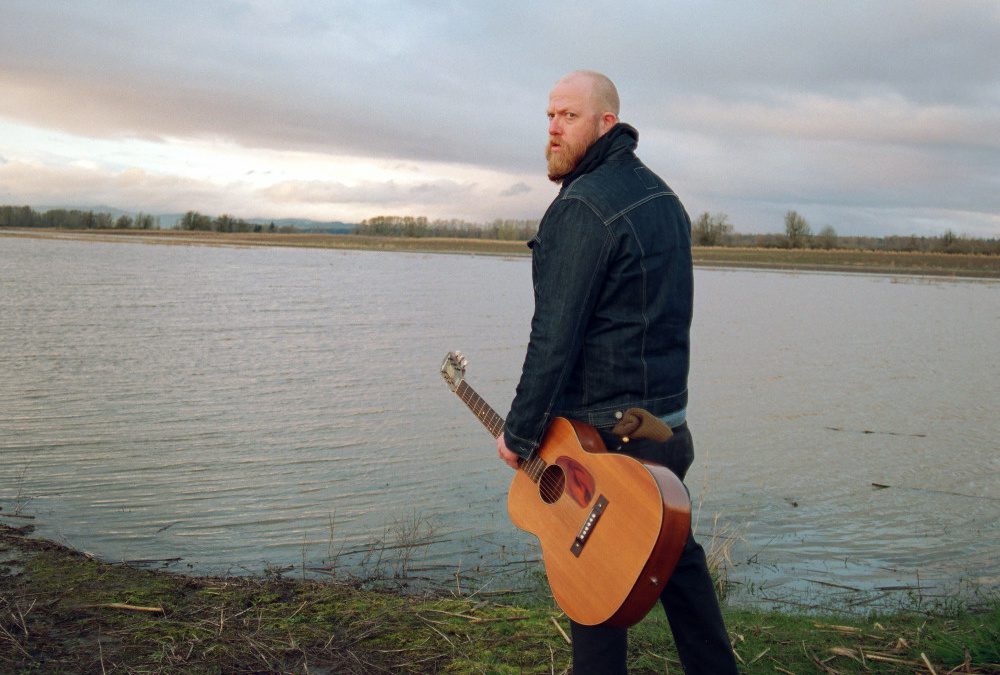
640 423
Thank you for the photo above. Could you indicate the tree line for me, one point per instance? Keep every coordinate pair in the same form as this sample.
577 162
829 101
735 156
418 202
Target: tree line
78 219
715 230
74 219
708 229
419 226
194 221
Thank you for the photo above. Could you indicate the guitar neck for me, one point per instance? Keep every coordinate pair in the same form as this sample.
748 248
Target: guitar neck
494 423
480 408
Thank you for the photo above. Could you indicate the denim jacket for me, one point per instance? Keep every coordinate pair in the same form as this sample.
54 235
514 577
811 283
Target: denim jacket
613 287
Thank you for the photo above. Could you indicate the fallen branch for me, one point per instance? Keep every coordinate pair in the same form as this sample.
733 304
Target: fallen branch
833 585
388 547
461 616
883 486
890 659
494 619
429 625
845 651
130 608
15 642
561 631
839 629
883 433
757 658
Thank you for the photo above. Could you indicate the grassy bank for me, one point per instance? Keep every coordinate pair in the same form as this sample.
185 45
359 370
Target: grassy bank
63 611
837 260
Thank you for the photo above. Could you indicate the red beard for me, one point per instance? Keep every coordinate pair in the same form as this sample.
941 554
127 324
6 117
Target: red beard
563 162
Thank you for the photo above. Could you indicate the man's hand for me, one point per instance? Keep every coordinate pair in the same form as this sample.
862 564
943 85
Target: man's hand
508 456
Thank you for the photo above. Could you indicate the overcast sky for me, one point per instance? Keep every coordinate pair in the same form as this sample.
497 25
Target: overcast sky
873 117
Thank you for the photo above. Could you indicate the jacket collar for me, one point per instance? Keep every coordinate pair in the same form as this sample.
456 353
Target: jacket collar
620 136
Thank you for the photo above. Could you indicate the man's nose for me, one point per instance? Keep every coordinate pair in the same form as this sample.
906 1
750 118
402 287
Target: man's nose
555 128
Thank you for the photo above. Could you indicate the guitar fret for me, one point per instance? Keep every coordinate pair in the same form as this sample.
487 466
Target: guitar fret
533 467
480 408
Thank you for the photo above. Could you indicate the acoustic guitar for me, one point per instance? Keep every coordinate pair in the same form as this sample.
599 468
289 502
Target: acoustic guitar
611 527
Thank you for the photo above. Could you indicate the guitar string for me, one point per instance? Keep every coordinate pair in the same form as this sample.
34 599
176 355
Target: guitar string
534 467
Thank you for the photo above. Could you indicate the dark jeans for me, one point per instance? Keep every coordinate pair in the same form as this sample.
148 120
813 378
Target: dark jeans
689 597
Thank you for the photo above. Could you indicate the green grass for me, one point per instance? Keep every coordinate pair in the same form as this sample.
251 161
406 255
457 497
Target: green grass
63 612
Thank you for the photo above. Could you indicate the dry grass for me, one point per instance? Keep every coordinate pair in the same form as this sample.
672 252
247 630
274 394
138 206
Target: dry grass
843 260
61 611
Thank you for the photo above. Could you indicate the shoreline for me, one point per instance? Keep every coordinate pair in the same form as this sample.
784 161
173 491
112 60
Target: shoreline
947 265
63 610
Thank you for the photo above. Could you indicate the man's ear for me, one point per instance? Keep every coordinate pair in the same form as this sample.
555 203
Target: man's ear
608 120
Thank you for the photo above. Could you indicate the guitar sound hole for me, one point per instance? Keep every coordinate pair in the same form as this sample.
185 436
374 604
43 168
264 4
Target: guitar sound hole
552 484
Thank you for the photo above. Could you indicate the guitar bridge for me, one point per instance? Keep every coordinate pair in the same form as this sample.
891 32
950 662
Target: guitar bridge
588 526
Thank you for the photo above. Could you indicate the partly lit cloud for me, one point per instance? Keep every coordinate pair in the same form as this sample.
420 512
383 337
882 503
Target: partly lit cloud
515 190
872 117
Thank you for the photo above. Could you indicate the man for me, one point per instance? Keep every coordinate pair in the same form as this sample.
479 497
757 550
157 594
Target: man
611 266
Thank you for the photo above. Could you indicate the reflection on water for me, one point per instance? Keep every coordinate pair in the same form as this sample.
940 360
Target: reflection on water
239 408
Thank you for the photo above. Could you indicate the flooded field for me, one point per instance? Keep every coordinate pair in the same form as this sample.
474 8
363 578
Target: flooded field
235 409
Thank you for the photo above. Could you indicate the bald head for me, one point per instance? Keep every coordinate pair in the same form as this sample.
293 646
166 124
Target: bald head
600 89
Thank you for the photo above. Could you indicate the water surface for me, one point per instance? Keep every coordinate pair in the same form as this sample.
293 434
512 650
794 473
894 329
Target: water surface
246 408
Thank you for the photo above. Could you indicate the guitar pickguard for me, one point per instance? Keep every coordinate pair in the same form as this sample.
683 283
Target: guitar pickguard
580 483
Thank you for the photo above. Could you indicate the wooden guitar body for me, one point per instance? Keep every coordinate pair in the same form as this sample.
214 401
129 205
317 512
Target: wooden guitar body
611 527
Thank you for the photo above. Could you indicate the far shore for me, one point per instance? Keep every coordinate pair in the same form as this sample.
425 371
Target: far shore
805 259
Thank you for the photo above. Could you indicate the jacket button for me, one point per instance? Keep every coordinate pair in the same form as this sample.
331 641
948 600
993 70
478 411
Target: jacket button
618 414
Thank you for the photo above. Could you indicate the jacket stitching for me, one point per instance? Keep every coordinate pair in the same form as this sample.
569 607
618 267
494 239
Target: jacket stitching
645 305
630 207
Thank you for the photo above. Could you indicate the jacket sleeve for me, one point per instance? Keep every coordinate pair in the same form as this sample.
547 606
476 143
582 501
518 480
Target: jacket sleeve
569 262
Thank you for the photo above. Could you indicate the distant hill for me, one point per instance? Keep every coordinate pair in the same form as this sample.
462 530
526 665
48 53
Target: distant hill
115 212
332 227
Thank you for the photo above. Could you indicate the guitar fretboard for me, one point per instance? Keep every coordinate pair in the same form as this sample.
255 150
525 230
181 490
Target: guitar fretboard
494 423
480 408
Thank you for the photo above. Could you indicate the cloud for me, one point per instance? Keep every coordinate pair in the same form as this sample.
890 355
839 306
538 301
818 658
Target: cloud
369 192
887 119
749 108
131 189
354 83
515 190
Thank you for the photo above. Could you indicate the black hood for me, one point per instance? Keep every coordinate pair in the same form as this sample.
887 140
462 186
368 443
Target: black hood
619 136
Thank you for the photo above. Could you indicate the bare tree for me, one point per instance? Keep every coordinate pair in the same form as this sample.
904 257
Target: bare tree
827 237
796 230
711 230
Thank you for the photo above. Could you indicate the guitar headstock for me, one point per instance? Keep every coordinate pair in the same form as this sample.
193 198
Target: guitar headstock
453 369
